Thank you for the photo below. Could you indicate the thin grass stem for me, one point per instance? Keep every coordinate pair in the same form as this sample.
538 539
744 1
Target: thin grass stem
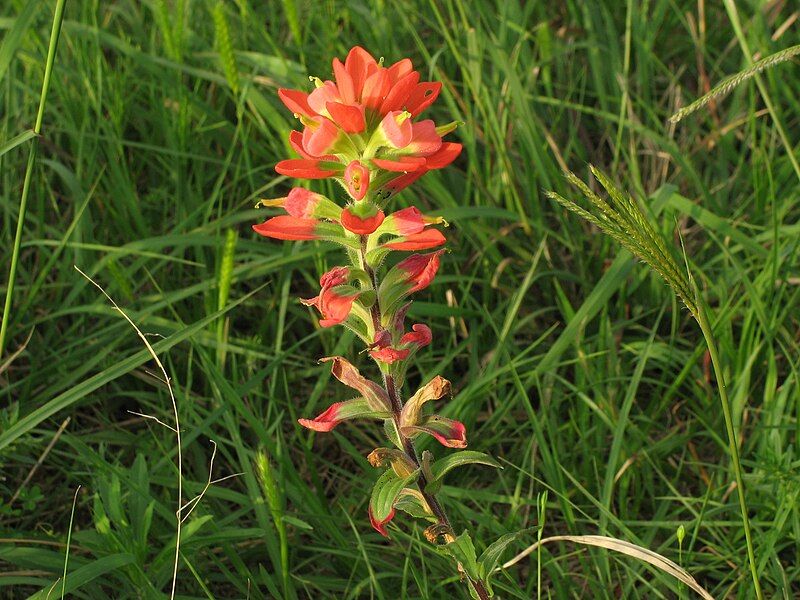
705 326
58 17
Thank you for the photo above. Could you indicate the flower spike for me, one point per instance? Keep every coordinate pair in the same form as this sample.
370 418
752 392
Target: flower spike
362 129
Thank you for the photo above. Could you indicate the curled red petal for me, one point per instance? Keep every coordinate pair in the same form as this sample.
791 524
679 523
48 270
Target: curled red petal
380 526
327 92
335 308
319 138
324 422
296 101
455 436
301 202
356 179
420 269
344 82
349 117
424 139
430 238
287 227
422 96
361 226
402 164
407 221
403 181
389 355
304 169
398 134
400 92
420 334
448 152
360 64
335 276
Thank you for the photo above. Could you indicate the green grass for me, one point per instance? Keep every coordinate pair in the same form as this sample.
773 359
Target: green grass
575 366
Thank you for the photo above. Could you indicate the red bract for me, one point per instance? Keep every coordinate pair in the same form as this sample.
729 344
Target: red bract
418 241
446 154
420 335
401 164
447 432
361 226
397 129
324 422
389 355
286 227
335 300
420 269
380 526
305 169
320 136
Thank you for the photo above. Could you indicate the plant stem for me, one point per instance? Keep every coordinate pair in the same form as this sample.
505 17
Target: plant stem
408 444
26 185
705 326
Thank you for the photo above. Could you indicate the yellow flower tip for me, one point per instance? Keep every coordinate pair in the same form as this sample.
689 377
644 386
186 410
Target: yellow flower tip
403 116
436 221
316 81
443 130
307 122
375 458
269 202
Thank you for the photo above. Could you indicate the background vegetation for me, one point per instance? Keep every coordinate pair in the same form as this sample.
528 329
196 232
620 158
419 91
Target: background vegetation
574 366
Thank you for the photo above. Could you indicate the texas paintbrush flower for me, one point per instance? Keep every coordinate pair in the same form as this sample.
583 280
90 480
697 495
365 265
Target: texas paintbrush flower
362 129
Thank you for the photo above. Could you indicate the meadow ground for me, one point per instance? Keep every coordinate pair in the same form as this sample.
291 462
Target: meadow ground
574 364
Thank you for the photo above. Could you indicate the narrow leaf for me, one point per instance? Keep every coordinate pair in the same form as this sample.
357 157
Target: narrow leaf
385 492
491 556
463 551
16 141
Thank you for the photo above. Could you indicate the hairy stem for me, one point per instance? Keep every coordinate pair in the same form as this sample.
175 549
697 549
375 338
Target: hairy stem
408 444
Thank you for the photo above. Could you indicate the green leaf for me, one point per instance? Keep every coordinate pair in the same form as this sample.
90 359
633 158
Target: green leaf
385 492
120 368
491 556
15 36
87 573
463 551
299 523
444 465
411 505
16 141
